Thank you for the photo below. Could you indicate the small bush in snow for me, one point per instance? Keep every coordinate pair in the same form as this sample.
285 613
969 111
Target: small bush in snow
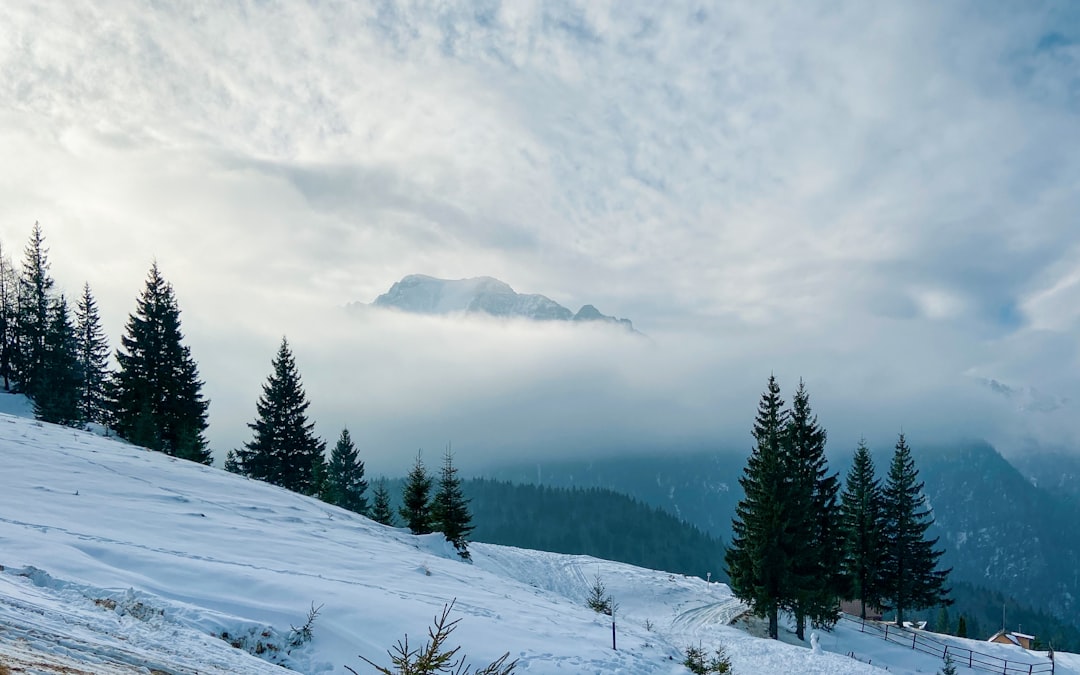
433 657
949 667
697 663
303 634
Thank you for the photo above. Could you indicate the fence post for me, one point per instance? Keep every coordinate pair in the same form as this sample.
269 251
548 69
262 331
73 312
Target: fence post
970 656
913 636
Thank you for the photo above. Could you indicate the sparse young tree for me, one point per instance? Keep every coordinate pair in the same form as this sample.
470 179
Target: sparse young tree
912 579
60 379
450 509
381 512
416 499
434 657
813 533
345 485
157 395
284 450
759 560
861 532
93 356
32 315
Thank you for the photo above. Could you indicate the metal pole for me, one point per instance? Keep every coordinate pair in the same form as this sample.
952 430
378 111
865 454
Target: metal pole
613 634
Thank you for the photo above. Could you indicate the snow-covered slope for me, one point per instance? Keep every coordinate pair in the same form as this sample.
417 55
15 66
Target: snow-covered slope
421 294
116 560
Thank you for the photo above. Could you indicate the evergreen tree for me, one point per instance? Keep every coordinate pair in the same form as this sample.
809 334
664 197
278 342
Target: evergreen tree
156 394
345 484
911 579
416 499
961 627
450 509
380 508
812 538
861 535
9 304
758 559
284 450
32 314
60 379
943 624
948 666
93 356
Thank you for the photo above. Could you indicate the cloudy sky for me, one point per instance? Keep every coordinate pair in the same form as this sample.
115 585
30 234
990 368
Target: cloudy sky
881 198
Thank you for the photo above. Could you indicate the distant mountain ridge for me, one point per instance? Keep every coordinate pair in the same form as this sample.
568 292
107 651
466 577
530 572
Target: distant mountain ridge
422 294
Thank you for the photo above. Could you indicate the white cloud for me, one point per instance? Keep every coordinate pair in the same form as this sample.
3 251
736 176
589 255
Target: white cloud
880 198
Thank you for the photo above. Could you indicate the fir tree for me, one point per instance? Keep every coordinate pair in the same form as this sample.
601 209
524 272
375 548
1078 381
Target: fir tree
416 499
812 537
943 624
948 666
961 627
9 304
861 536
32 315
450 509
156 394
93 356
758 559
284 450
345 484
60 379
381 511
911 580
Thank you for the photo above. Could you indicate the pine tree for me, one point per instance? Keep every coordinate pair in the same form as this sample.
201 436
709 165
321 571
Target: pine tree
157 395
32 314
416 499
9 304
811 540
861 532
943 624
912 580
284 450
60 379
345 484
93 356
948 666
961 627
758 560
380 508
450 509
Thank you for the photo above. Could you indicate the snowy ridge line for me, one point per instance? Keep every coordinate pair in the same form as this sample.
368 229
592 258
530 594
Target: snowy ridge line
919 641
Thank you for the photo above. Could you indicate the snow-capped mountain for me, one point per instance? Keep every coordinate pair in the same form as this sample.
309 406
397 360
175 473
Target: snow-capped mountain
422 294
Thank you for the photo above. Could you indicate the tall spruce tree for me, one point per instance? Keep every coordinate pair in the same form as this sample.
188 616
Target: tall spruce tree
381 512
93 355
912 579
32 314
60 379
284 450
759 557
812 537
157 395
345 485
450 508
9 304
861 532
416 498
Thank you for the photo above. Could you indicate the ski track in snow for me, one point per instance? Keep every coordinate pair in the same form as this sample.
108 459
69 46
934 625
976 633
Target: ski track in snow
119 560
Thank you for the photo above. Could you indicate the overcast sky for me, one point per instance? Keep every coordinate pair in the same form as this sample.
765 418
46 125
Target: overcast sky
882 198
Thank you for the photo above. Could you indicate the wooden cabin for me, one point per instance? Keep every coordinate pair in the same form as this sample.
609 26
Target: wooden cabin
1008 637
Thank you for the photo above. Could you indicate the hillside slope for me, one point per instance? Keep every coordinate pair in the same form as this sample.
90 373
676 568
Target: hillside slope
122 559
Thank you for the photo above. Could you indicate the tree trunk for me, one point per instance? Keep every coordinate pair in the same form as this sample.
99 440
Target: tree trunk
774 631
800 624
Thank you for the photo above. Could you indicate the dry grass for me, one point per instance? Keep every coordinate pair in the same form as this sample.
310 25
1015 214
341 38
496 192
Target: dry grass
4 670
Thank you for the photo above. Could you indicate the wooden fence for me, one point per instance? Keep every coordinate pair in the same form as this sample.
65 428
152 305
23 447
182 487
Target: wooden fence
921 642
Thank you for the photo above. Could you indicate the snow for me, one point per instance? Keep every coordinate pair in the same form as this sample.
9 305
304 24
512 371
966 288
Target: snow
121 560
